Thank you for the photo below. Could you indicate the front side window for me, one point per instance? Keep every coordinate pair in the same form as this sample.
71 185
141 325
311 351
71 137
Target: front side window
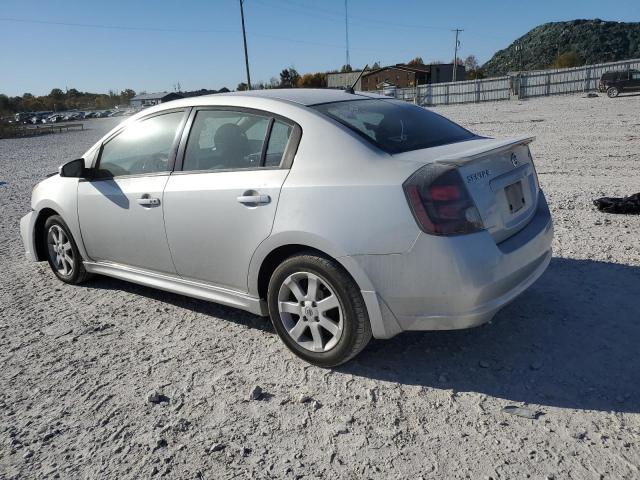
141 148
395 126
230 140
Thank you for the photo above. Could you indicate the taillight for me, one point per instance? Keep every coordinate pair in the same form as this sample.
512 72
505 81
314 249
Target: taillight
440 201
533 165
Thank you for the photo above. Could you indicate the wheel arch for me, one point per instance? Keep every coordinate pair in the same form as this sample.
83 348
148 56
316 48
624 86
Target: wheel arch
38 232
275 249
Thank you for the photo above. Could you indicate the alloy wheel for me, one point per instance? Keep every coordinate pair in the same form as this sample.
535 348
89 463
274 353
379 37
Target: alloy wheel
60 250
310 311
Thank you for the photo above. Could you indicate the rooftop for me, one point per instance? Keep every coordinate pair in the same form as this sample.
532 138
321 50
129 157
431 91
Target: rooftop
305 96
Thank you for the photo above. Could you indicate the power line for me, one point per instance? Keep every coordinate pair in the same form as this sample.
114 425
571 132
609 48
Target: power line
185 30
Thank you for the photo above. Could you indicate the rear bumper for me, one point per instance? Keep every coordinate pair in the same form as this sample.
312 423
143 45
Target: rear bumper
27 227
446 283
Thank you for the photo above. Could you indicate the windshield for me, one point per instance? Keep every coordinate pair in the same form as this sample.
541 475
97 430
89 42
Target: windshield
395 126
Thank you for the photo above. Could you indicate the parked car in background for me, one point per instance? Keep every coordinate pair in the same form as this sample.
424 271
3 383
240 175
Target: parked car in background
103 114
55 118
615 83
22 117
341 216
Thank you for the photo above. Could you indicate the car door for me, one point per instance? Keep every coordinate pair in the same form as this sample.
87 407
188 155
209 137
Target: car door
120 208
220 204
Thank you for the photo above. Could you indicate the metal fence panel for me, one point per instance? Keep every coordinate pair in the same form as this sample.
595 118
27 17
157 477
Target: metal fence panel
518 85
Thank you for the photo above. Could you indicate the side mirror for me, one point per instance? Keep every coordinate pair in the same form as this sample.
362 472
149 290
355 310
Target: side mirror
74 169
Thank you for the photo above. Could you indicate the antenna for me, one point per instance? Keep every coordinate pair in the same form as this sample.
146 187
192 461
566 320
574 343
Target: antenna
350 89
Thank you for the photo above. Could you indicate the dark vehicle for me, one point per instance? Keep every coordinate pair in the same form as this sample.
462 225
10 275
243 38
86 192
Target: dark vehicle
23 117
615 83
39 117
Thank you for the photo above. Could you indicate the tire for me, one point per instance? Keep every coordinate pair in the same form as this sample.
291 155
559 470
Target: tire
612 92
300 317
62 252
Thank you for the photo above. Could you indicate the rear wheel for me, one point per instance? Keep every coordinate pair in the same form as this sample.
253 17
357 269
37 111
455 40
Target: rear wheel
612 92
318 310
62 252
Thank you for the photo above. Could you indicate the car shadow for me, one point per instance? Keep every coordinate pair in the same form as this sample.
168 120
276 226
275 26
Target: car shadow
572 340
210 309
111 191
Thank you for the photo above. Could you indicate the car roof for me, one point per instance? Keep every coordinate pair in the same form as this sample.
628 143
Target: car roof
303 96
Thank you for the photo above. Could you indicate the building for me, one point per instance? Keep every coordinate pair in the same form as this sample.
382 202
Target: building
344 80
402 76
149 99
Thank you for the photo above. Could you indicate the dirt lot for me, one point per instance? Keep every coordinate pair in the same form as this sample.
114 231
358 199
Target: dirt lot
77 363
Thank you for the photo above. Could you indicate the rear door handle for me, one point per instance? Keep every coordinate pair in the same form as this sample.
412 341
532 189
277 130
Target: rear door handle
254 199
148 201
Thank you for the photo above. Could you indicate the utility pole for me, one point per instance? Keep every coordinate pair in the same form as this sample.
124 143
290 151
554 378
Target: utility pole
455 53
346 29
244 36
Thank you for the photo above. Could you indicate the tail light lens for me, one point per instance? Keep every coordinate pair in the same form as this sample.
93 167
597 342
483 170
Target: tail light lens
440 201
535 172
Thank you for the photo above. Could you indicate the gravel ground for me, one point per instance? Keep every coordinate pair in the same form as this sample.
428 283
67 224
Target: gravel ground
78 363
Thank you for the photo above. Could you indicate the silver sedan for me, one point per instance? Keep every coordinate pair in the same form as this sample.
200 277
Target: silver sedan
341 216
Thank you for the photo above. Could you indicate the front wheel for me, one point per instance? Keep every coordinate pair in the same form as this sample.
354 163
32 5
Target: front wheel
612 92
318 310
62 252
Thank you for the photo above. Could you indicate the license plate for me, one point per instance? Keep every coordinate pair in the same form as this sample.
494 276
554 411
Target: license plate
515 198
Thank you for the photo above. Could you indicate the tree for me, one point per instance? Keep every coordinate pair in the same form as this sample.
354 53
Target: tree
474 72
56 94
471 63
274 82
375 66
416 61
5 104
567 60
289 78
313 80
126 95
346 69
241 87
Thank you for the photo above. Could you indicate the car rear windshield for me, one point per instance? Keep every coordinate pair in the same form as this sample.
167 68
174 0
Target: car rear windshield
395 126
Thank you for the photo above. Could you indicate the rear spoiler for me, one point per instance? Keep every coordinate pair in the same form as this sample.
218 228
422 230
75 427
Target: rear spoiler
491 147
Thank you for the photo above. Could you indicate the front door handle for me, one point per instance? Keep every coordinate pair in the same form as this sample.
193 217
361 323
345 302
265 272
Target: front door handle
146 201
253 200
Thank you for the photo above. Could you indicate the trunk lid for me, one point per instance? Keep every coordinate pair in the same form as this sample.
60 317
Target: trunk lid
498 174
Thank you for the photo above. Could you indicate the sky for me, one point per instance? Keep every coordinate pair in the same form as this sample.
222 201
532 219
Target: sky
154 45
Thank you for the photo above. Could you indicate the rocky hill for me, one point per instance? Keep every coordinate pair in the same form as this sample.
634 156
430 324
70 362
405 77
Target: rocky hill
594 41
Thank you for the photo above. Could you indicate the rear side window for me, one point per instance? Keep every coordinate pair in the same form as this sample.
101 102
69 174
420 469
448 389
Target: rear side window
223 140
278 140
230 140
395 126
141 148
